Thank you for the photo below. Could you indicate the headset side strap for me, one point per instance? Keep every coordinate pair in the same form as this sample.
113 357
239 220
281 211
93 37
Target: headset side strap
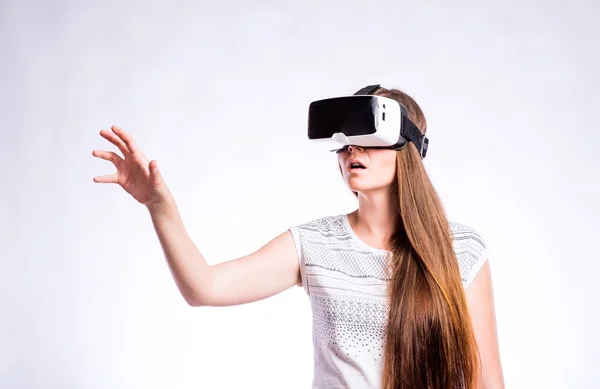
412 133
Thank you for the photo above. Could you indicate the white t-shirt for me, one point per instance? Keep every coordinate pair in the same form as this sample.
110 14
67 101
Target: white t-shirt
346 281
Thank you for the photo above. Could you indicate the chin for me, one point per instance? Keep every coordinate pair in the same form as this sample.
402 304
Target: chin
358 186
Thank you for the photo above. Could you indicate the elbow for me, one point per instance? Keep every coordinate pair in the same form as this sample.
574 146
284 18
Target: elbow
195 298
193 302
197 293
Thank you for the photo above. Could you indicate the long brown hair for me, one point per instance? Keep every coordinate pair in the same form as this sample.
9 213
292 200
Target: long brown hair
430 342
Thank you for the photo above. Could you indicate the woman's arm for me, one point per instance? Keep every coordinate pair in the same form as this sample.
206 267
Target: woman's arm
480 299
268 271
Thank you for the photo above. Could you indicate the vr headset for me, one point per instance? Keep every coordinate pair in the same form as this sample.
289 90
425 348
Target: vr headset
364 120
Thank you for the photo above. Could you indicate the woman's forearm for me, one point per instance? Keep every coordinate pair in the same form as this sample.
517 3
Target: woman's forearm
188 266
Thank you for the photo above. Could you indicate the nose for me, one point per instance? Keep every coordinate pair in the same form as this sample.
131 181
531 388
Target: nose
353 148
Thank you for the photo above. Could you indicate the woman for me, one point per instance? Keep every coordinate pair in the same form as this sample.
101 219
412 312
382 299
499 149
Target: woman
401 297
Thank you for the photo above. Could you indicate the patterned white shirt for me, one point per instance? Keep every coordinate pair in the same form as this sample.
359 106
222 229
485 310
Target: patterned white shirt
346 281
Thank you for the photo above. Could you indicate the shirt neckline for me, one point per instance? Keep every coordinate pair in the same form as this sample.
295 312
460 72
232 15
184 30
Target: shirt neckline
357 239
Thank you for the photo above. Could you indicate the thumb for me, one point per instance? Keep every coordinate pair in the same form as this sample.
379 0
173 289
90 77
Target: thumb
154 172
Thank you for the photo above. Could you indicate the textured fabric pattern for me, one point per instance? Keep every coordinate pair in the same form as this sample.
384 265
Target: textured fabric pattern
346 281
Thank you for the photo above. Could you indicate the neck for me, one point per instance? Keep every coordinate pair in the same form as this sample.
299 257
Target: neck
376 215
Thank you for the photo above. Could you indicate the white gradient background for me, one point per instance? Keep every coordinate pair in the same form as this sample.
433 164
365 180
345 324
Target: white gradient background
218 95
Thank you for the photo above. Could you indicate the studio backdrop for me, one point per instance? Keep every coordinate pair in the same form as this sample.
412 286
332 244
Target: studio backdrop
218 94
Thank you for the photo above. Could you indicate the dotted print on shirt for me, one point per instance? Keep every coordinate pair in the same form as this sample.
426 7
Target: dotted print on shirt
349 325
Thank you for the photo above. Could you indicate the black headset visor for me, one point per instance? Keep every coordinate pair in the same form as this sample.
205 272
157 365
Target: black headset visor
351 116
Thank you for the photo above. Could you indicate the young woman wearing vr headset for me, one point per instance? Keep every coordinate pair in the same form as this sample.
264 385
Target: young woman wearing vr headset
401 296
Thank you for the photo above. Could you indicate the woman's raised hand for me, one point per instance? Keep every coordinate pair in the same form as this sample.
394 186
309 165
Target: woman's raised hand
140 179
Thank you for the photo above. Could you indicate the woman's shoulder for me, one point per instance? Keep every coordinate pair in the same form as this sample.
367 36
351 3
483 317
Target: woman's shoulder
327 223
467 233
470 248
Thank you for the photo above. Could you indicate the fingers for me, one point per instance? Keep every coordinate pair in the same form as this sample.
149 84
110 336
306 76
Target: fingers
107 179
112 157
115 140
126 138
126 145
109 156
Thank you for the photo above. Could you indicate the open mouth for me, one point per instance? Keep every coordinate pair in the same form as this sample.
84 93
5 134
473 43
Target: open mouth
356 165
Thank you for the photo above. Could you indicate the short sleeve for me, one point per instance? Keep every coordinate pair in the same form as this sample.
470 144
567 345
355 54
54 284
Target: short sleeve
298 242
471 252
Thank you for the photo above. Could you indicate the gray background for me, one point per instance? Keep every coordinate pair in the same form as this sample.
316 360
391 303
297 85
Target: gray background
218 94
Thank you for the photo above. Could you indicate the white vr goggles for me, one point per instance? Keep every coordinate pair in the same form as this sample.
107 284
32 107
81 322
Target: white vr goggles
364 120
